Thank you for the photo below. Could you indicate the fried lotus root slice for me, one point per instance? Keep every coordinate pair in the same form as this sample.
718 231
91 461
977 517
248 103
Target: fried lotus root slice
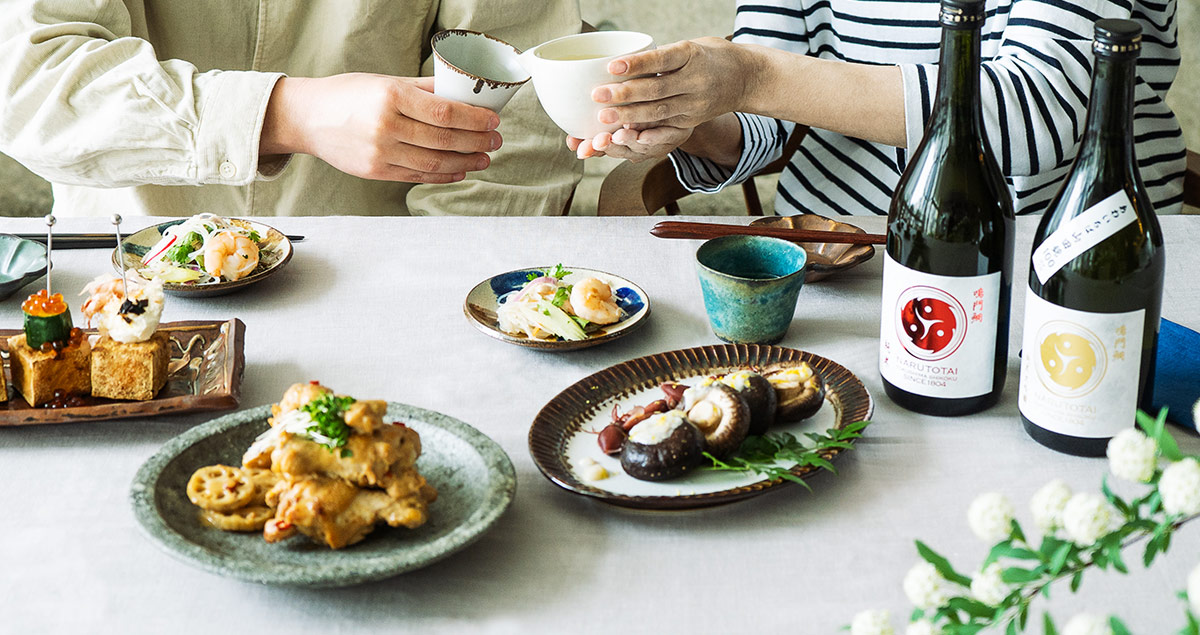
263 480
220 488
252 518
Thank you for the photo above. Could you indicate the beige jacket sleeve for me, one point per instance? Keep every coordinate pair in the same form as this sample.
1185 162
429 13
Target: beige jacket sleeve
84 102
534 173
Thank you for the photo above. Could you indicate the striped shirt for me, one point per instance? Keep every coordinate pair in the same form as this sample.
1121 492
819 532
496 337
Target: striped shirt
1034 82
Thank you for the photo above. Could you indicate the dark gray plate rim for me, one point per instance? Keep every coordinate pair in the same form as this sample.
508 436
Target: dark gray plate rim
496 494
480 318
561 418
274 237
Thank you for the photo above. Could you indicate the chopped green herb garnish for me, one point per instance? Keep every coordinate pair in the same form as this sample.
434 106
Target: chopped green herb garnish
329 426
583 324
255 236
561 296
558 272
179 253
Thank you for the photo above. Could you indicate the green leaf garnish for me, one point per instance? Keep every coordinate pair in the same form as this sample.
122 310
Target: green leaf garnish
558 272
179 253
561 296
765 454
329 426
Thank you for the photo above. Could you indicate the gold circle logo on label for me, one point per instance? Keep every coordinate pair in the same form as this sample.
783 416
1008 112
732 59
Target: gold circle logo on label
1072 360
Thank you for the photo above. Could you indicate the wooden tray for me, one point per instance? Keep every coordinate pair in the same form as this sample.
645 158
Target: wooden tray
205 373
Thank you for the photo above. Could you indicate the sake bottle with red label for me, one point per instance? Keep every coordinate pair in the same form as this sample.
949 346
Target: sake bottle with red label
947 271
1096 274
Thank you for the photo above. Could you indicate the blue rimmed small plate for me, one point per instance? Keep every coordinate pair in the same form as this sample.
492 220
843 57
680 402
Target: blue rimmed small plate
483 300
21 262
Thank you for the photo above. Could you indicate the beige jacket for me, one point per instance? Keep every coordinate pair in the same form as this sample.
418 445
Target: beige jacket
129 106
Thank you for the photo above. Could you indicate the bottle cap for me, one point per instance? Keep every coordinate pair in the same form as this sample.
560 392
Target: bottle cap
962 13
1117 38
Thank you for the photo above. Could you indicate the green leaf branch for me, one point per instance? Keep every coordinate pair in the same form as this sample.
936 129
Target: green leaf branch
1078 532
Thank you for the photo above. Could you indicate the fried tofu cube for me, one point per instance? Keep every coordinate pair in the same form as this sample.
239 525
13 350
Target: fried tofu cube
133 371
38 374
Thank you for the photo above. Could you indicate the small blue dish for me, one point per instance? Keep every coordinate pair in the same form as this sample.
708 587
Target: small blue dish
483 300
21 262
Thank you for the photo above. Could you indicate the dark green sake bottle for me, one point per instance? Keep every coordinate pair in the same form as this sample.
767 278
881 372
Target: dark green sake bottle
947 273
1096 274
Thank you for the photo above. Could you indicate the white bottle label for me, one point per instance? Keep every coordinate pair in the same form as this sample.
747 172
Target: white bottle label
1081 233
1079 370
937 337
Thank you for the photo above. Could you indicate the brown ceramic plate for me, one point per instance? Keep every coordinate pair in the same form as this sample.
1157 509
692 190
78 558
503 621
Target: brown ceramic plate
563 432
205 373
824 259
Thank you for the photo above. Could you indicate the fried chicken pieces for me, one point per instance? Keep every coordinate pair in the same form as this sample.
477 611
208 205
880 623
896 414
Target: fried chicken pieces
329 468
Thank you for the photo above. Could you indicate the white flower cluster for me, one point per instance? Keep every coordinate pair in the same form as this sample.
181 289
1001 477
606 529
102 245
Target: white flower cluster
1193 590
921 627
1180 487
926 588
990 517
989 587
1133 456
1087 624
872 622
1087 517
1047 505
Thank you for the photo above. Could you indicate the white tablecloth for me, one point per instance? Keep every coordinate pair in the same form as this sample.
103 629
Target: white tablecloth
373 308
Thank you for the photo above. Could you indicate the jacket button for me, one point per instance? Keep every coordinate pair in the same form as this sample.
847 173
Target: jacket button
228 170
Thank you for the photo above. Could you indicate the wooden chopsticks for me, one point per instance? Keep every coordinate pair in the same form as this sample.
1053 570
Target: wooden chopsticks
705 231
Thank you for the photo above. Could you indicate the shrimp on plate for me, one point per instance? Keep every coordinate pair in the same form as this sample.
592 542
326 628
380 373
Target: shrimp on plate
592 299
230 255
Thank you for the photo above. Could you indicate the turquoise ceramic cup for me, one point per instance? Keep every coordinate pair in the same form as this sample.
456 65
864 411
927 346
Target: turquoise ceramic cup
750 286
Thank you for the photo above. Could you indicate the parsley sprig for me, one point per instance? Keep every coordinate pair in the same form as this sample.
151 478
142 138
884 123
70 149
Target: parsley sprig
765 454
329 426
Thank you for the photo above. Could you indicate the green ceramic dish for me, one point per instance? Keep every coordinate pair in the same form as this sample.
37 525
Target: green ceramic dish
21 262
474 478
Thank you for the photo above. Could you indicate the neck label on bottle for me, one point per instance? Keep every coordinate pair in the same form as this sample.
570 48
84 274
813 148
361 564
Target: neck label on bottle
1079 370
938 333
1081 233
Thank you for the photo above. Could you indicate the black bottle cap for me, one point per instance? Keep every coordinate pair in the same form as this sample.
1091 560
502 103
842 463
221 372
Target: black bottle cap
1117 38
962 14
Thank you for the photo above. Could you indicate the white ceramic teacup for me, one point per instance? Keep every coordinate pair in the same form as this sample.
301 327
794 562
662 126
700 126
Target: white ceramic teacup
566 70
475 68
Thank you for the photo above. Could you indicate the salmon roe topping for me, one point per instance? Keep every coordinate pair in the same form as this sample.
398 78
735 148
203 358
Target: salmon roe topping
42 304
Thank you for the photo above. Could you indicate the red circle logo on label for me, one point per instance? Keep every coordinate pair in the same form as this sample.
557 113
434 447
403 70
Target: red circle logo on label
932 323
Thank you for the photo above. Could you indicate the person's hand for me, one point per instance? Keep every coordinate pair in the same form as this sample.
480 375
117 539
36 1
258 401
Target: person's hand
379 127
632 143
681 85
675 88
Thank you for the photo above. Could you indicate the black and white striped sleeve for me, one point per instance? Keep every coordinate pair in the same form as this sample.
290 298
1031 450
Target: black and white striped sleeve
775 23
763 139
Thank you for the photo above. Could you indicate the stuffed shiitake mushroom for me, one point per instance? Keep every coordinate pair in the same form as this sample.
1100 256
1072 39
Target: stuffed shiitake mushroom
663 447
799 392
720 414
759 396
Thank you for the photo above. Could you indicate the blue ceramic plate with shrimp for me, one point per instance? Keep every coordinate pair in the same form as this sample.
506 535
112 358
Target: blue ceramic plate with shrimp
556 308
274 251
